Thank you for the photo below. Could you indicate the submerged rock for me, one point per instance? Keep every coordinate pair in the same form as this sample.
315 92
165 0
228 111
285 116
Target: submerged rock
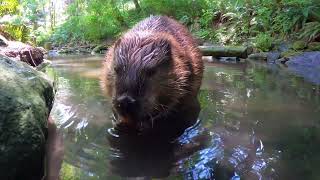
306 65
281 60
273 56
26 98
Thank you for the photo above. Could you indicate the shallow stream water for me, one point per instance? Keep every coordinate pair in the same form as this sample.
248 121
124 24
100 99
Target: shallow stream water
256 122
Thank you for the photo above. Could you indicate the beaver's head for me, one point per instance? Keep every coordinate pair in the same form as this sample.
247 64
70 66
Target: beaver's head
149 78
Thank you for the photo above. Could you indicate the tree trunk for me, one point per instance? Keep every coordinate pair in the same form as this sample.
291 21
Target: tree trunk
224 51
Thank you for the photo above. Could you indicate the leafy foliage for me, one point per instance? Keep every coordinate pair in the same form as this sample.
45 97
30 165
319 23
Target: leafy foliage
8 7
21 19
263 41
310 31
226 22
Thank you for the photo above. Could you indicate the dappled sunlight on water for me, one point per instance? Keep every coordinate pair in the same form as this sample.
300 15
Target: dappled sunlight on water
255 123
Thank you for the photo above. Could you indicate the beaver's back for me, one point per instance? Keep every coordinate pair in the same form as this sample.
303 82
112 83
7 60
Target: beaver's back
163 24
167 25
170 26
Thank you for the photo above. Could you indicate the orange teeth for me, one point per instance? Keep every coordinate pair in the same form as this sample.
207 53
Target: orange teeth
124 120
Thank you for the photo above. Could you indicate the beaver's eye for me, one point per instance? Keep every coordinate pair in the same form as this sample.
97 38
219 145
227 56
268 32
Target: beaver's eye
117 69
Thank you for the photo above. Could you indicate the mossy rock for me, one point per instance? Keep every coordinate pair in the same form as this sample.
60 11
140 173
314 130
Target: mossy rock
314 46
289 53
299 45
26 98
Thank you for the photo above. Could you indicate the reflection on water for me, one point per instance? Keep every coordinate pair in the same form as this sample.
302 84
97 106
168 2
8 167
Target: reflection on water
154 154
255 123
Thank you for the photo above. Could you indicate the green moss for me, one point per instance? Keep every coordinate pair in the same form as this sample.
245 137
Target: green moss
290 53
69 172
299 45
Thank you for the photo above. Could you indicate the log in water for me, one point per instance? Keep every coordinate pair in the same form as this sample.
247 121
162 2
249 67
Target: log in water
226 51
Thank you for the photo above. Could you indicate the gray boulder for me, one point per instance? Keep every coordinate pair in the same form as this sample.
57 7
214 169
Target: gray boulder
273 56
26 98
306 65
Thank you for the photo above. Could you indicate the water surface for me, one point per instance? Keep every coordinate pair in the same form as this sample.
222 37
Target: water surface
255 123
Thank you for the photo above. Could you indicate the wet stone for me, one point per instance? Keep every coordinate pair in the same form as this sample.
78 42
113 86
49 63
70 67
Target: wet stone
26 97
273 56
306 65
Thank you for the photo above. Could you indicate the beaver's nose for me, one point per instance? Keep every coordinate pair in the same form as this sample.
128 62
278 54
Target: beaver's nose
125 103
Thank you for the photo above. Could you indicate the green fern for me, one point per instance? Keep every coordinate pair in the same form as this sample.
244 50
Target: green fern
310 31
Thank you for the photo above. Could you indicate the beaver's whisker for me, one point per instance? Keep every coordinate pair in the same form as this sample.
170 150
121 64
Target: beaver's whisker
156 108
164 107
151 120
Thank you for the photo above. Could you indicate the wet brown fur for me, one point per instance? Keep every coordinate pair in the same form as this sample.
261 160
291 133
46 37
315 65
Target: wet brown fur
146 46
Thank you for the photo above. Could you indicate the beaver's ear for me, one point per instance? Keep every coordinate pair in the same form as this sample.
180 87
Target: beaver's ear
164 48
116 44
154 52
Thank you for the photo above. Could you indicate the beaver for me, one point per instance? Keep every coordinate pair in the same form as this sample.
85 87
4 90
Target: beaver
151 72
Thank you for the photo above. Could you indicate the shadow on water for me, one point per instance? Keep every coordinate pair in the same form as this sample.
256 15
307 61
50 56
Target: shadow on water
255 123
